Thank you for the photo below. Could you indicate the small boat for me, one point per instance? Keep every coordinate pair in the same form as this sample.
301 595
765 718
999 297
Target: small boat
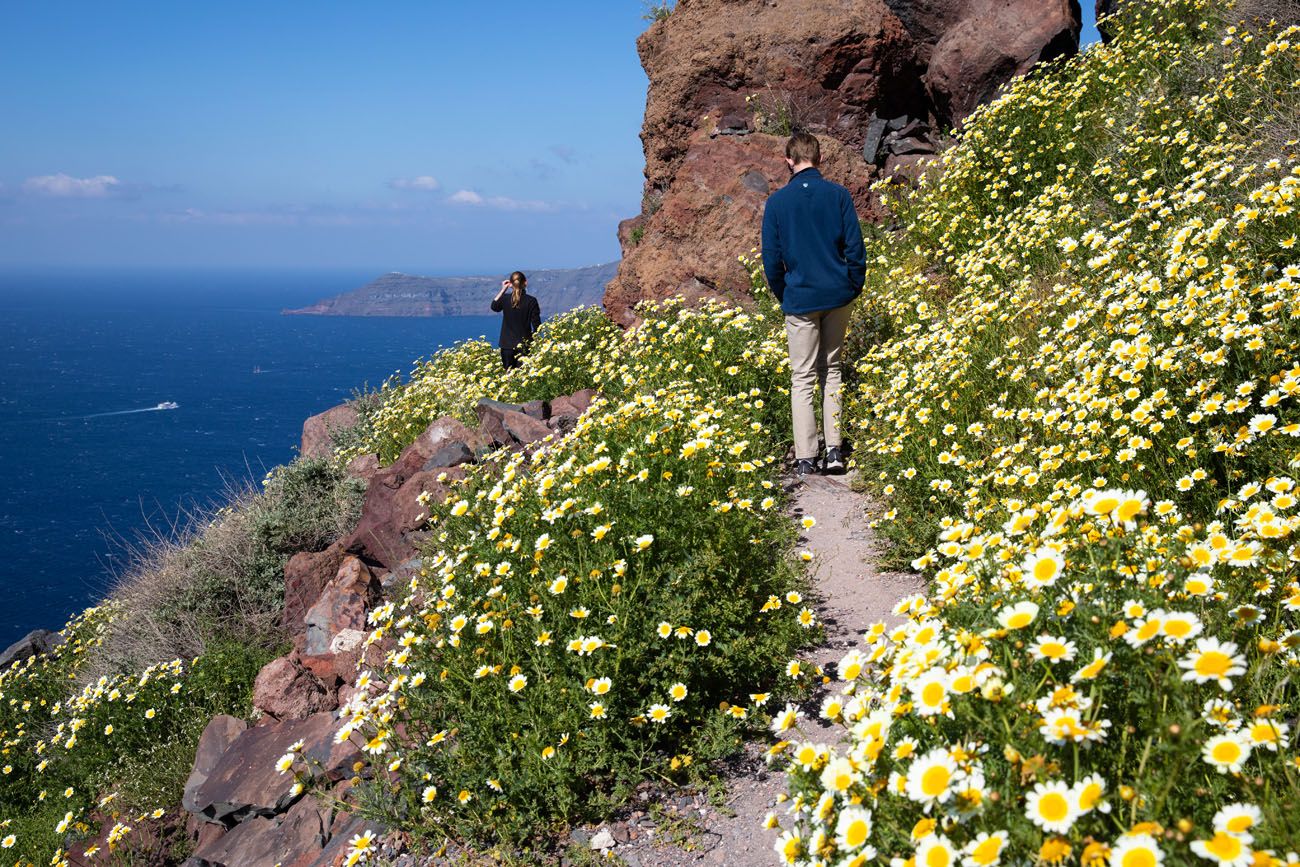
258 369
168 404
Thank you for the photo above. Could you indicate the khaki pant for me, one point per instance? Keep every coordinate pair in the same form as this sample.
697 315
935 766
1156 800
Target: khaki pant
815 341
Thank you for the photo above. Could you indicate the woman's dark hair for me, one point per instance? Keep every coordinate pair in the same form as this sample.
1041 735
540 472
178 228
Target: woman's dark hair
519 281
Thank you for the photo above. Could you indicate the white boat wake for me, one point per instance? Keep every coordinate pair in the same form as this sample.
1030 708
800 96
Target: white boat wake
162 407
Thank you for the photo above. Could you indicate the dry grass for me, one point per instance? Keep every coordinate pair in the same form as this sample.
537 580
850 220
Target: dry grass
1261 12
217 574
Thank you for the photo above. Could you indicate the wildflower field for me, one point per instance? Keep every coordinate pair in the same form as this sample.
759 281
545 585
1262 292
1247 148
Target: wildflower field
1082 426
606 609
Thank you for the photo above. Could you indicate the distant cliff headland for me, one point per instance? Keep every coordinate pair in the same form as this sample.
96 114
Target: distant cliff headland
398 294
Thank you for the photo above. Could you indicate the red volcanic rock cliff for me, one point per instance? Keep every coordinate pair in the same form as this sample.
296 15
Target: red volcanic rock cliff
875 80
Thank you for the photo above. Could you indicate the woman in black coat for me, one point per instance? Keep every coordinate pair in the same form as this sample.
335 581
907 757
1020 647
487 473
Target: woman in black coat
520 320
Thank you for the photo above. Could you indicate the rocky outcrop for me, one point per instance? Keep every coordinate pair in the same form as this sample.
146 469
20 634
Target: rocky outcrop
38 642
876 80
244 781
984 43
305 577
319 430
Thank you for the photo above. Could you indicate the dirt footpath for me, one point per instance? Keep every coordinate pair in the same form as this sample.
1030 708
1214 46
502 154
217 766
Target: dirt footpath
851 595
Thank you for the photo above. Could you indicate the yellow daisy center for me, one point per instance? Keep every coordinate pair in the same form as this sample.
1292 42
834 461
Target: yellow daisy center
1053 807
938 857
988 851
1138 858
1225 847
935 781
1226 752
1105 505
1213 663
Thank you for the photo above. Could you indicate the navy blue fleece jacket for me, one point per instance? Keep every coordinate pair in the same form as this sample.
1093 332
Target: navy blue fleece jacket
813 254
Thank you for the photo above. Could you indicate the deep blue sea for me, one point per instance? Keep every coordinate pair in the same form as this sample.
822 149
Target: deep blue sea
86 462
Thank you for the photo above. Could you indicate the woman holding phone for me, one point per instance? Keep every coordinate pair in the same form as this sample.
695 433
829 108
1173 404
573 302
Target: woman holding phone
521 317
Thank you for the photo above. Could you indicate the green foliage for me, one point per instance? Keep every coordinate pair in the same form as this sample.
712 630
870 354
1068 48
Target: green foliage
584 349
657 10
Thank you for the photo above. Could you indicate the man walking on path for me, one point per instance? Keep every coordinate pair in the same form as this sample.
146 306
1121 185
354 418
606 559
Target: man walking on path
815 262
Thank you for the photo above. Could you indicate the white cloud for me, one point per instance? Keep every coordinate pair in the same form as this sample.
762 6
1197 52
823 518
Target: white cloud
66 186
423 183
500 203
466 197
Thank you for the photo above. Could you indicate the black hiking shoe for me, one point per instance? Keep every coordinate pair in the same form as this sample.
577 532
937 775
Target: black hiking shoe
834 463
804 467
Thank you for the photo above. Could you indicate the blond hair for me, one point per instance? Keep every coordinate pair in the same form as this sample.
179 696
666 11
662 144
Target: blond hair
804 148
518 281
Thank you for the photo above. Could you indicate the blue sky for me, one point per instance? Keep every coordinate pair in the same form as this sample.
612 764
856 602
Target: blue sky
424 136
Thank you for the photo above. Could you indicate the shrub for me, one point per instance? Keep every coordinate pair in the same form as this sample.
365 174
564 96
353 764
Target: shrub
1082 428
657 10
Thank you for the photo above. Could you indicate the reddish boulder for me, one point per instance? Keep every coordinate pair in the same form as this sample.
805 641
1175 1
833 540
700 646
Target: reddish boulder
538 409
334 669
217 737
583 398
363 467
392 516
284 690
305 577
524 429
389 512
318 431
444 436
993 42
491 420
294 839
244 781
410 513
342 605
345 828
